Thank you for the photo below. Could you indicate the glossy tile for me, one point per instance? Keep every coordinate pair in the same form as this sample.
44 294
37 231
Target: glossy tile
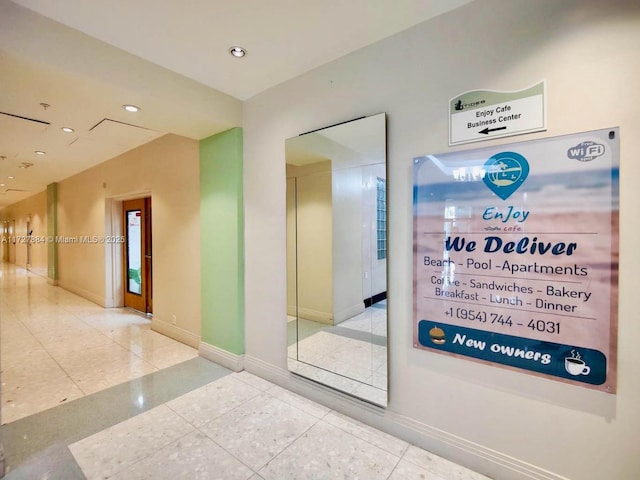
56 345
351 357
319 345
301 403
254 380
110 320
192 457
375 437
73 342
31 442
259 429
408 471
20 400
14 345
193 419
104 366
322 376
371 394
53 463
118 448
154 348
209 402
328 452
33 365
335 363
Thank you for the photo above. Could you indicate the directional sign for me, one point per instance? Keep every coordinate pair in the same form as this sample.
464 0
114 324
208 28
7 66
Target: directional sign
483 114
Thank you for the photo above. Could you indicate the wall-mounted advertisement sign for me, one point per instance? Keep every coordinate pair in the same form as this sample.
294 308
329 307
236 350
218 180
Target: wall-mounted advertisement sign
484 114
516 256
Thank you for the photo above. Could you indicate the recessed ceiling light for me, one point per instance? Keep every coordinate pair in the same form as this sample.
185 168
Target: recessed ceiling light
237 52
11 177
131 108
67 129
40 152
1 184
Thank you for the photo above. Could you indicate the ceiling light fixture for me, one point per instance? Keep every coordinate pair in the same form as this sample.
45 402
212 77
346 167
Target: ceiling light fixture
131 108
1 184
67 129
40 152
11 177
237 52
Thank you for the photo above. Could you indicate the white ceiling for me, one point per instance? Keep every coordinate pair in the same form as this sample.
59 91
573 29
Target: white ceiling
355 143
171 59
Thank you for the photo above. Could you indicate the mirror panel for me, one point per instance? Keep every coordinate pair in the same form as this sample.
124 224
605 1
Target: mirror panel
337 257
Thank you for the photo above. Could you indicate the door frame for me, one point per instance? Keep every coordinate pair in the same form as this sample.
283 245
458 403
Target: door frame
140 208
114 251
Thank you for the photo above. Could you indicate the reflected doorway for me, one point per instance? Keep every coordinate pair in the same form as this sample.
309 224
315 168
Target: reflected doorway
29 232
5 241
137 254
337 257
12 241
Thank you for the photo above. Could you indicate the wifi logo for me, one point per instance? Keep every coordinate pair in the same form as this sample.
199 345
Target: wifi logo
586 151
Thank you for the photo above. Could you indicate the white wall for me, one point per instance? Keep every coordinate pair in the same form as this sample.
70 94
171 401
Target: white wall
312 242
347 243
504 423
291 248
330 246
167 169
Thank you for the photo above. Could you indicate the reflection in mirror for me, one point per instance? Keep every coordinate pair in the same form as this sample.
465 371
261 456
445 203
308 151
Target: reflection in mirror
337 257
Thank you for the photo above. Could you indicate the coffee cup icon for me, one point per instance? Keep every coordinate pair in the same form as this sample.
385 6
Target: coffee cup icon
576 366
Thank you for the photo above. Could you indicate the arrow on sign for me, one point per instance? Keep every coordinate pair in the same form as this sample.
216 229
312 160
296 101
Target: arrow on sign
487 130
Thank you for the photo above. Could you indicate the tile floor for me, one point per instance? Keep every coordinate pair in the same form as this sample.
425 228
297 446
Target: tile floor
351 356
36 447
91 393
243 427
56 347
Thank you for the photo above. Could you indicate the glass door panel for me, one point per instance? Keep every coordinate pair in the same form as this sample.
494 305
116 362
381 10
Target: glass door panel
134 251
137 254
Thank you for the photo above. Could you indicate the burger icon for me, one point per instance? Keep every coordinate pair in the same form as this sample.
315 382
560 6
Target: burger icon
437 336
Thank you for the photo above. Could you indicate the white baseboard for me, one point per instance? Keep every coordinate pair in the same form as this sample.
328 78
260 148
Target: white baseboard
315 315
221 357
40 271
177 333
490 462
348 312
92 297
459 450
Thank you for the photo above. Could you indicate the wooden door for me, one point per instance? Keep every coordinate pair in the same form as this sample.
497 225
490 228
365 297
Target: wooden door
137 254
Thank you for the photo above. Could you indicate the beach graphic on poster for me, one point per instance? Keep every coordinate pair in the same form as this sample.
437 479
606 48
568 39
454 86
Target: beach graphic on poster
516 256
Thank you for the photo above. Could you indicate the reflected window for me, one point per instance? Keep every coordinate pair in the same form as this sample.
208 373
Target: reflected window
134 251
381 215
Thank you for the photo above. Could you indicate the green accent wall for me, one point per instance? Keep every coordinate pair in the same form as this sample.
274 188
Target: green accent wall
52 231
222 241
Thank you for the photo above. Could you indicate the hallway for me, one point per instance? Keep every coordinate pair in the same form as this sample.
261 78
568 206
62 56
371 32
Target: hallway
93 393
56 347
